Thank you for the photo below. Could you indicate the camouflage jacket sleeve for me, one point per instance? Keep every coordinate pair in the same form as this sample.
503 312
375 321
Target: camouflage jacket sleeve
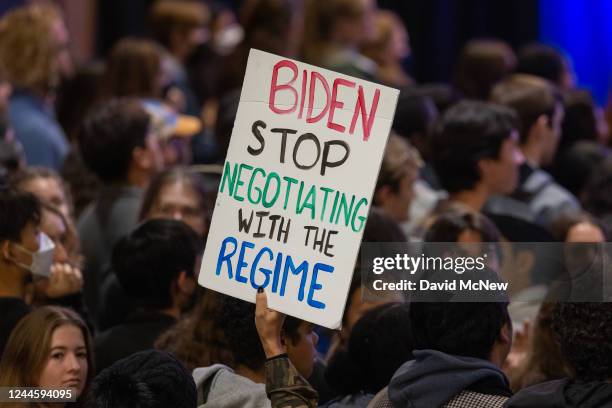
285 387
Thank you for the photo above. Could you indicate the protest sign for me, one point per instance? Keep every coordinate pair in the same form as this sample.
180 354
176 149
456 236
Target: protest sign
296 187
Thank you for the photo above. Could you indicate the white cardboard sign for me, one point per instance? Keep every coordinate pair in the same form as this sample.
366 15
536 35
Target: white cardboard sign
296 188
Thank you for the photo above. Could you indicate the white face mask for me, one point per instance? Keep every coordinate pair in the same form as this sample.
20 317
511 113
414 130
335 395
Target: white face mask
42 259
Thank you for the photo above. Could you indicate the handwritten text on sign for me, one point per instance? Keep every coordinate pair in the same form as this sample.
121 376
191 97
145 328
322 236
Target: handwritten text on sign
296 187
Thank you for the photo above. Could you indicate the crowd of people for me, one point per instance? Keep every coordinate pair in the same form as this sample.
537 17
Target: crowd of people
109 172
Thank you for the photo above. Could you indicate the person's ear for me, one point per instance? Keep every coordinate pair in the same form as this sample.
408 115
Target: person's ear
505 333
541 124
483 167
142 157
5 249
186 283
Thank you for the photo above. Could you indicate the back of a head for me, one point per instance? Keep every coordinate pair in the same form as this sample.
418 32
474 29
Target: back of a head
109 135
543 61
171 16
30 28
598 195
584 333
267 24
382 228
448 226
468 132
414 115
460 328
530 96
580 121
481 64
151 258
17 210
320 23
379 343
443 95
236 319
148 379
133 69
577 164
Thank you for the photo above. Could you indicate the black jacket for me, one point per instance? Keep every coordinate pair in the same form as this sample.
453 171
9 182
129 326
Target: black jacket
564 394
137 333
12 309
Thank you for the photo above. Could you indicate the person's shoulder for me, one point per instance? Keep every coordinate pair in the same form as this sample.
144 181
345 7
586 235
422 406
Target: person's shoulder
541 395
381 400
221 387
544 184
471 399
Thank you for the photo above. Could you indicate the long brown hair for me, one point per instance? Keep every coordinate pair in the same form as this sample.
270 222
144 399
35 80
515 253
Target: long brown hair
544 360
198 340
27 350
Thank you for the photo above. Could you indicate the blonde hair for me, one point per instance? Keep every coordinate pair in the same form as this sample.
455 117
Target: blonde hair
28 47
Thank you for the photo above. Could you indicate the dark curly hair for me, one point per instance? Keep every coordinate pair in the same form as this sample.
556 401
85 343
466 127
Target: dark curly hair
461 328
584 333
236 318
17 209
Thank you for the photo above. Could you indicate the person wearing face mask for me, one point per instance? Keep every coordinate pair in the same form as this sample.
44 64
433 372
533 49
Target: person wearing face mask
49 348
25 253
19 228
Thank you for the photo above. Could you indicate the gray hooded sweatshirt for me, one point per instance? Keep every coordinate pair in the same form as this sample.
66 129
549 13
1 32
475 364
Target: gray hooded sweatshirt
219 387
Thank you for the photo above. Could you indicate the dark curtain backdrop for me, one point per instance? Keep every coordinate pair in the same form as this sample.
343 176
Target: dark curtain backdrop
439 28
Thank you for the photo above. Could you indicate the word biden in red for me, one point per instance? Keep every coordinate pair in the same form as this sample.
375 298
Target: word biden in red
309 85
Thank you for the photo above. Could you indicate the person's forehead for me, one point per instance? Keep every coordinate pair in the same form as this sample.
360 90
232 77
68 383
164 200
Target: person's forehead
177 193
44 185
67 334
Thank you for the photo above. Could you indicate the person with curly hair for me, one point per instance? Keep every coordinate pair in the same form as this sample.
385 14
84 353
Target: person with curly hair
583 332
34 57
242 384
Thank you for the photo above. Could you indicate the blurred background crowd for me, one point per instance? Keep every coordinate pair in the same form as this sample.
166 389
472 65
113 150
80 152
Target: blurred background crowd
115 119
